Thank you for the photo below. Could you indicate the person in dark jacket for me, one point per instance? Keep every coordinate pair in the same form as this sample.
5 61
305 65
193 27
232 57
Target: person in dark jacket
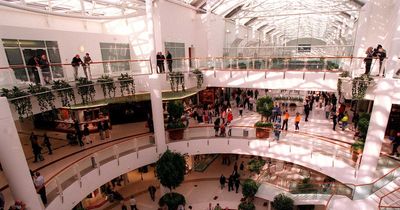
237 184
45 66
46 142
222 181
396 144
334 119
76 62
33 64
100 128
169 61
36 148
86 134
160 63
231 180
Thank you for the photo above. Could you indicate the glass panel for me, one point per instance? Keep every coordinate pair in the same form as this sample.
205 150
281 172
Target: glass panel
14 56
57 71
10 42
51 44
107 45
20 74
54 55
31 43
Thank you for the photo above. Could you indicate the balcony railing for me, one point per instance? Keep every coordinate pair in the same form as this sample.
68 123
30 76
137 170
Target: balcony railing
21 75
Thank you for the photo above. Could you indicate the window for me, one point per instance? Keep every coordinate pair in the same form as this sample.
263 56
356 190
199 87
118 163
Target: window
304 48
19 52
113 52
177 50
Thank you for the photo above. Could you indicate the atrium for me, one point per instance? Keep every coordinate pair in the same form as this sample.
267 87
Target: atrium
200 104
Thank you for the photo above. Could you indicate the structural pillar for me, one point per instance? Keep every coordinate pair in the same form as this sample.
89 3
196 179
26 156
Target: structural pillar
393 49
151 34
376 132
13 161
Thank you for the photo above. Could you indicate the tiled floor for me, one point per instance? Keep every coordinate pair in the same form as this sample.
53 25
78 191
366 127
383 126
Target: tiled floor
65 154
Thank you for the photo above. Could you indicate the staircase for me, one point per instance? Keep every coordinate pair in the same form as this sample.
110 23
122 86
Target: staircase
388 197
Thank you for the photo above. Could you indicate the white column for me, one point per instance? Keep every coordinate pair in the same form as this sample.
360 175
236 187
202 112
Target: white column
376 133
393 49
150 33
155 81
13 161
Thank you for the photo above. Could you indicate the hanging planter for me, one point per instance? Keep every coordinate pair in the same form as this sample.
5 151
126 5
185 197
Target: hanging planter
107 85
127 84
43 95
199 77
176 79
21 101
360 86
86 90
65 92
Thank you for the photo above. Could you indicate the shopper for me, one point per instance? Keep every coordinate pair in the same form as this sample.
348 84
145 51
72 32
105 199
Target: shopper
169 61
368 60
216 126
230 183
241 167
106 128
160 63
217 207
36 148
86 134
241 110
297 121
132 203
345 121
334 119
100 128
76 62
40 187
277 128
222 181
33 65
285 120
152 191
86 66
396 144
237 184
307 109
46 142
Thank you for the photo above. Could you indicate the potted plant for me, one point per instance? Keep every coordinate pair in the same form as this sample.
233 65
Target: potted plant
255 165
21 101
357 149
43 95
305 187
246 206
176 79
264 108
249 189
107 85
199 77
86 90
64 91
358 146
332 65
175 125
127 84
283 202
170 171
360 86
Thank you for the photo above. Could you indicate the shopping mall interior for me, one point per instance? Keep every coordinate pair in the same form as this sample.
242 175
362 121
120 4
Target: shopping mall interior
200 104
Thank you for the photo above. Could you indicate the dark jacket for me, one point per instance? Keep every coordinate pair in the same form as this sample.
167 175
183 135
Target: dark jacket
169 58
76 61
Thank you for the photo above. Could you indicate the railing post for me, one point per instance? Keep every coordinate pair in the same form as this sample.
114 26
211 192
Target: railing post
116 153
59 189
78 174
95 162
136 147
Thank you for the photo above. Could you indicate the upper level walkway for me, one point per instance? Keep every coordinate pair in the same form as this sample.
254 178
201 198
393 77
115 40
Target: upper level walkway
315 146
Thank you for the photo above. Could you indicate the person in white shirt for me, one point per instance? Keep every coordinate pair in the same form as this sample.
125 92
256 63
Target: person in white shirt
40 187
132 203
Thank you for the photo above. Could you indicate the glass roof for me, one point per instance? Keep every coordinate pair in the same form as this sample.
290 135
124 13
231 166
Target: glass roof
328 20
82 8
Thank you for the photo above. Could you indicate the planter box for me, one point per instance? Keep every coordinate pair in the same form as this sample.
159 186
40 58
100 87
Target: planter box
176 134
263 133
355 154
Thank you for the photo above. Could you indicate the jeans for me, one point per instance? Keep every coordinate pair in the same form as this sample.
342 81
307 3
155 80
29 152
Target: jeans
285 122
86 69
296 124
76 72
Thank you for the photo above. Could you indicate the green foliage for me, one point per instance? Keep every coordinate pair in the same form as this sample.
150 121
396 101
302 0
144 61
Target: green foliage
107 85
265 106
175 111
170 169
332 65
255 165
64 91
21 101
172 200
246 206
305 187
264 124
249 188
344 74
126 83
282 202
360 86
363 125
199 77
43 95
358 145
86 90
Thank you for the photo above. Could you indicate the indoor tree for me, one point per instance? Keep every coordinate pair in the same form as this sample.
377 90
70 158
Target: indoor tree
175 125
170 171
283 202
249 189
264 107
